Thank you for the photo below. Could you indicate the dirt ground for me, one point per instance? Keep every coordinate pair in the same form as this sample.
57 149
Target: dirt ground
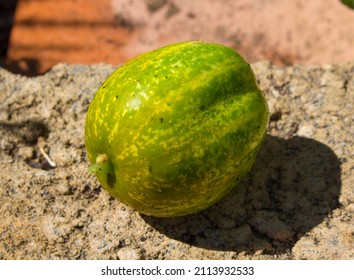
112 31
298 202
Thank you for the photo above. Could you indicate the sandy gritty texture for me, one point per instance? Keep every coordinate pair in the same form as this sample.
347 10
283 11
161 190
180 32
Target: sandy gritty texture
297 203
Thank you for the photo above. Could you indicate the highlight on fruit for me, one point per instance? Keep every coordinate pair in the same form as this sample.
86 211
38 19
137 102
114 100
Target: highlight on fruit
174 130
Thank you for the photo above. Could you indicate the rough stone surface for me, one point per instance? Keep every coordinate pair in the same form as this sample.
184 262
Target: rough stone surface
297 203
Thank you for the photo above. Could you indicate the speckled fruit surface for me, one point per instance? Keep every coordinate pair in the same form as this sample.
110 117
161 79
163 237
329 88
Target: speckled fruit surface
178 126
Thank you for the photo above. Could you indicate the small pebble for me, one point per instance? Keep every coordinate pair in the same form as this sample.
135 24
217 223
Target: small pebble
26 152
127 253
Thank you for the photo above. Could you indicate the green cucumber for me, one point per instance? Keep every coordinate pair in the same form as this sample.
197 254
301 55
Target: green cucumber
173 130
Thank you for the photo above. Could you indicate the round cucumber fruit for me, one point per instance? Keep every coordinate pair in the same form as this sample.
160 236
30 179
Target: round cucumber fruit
173 130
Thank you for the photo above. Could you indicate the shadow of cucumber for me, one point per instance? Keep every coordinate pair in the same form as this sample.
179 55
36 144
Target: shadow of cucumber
292 188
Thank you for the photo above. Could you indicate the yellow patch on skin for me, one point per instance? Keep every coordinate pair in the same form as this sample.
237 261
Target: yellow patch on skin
134 150
101 158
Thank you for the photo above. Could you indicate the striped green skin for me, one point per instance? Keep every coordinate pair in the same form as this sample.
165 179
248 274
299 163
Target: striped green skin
180 126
